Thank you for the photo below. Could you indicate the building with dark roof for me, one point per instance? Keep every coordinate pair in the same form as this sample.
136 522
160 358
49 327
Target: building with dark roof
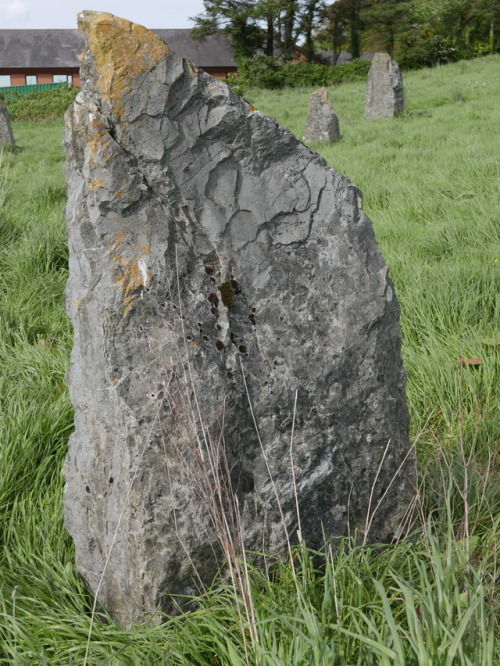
344 57
30 57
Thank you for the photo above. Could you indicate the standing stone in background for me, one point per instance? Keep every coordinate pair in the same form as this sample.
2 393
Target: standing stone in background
6 135
216 262
322 123
384 89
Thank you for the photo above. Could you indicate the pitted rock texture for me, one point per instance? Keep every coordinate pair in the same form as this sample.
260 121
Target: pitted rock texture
6 135
322 123
216 263
384 88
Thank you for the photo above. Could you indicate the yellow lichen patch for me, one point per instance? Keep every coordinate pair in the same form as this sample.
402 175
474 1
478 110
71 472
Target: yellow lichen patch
122 51
119 238
95 184
78 303
130 267
98 142
129 275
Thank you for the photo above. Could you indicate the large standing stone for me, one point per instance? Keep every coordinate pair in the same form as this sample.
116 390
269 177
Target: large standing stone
384 89
216 262
6 135
322 123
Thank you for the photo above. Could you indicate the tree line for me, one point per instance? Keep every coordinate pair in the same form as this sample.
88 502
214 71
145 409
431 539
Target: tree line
414 32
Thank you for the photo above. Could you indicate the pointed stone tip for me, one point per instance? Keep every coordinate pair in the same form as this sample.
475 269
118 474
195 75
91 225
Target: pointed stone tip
118 52
85 17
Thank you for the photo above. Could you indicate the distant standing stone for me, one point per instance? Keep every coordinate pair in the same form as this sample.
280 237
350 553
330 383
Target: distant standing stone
384 90
322 123
6 136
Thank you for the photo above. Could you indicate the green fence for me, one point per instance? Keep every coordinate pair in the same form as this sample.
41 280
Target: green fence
10 92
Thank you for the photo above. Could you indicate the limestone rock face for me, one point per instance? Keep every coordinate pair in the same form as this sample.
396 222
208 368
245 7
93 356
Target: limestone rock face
384 89
322 123
218 268
6 135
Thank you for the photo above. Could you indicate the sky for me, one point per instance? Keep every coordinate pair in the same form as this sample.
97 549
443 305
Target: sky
62 13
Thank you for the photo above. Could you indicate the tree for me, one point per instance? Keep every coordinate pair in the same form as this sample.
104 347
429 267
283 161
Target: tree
447 18
484 18
334 31
271 27
287 26
238 18
385 21
353 8
308 18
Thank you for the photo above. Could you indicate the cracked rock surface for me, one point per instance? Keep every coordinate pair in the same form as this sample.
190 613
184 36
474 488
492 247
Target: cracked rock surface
218 269
384 88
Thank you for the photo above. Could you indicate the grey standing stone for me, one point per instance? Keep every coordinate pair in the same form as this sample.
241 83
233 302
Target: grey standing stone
322 123
216 263
6 135
384 89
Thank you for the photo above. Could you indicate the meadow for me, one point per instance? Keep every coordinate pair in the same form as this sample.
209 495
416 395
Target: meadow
431 185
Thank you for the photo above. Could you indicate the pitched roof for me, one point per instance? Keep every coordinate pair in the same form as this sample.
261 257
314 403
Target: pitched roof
50 49
326 57
213 51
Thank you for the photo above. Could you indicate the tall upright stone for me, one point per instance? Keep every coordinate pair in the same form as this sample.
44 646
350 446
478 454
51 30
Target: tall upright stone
322 123
384 89
218 269
6 134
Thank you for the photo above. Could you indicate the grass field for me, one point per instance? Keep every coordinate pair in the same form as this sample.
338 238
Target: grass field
431 185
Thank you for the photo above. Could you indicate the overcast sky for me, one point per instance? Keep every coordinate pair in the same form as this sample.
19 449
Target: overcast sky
62 13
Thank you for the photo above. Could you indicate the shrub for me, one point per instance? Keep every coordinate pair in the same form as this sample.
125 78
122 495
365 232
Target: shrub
41 105
434 50
265 72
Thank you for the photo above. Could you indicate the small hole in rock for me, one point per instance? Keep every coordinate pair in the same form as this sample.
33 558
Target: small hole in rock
111 479
242 349
219 344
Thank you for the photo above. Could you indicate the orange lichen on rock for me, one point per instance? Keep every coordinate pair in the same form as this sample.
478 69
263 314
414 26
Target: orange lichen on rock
98 142
121 50
131 277
95 184
130 272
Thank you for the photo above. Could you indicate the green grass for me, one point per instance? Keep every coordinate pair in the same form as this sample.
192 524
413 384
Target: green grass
431 181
